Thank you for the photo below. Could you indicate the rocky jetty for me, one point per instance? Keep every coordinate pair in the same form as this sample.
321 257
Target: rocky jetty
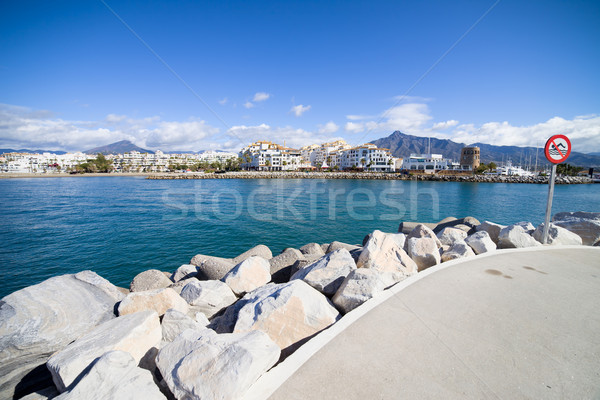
211 328
372 175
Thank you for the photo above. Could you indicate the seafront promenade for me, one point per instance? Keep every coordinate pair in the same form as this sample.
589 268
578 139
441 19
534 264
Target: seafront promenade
519 323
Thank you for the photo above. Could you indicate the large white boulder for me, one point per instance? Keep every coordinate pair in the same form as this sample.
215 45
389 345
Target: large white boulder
211 268
312 249
248 275
424 251
159 300
44 318
448 236
209 297
327 274
287 312
178 286
204 365
492 229
333 246
557 235
174 322
481 242
361 285
422 231
460 249
516 236
115 376
400 238
257 251
186 271
281 264
384 252
527 226
149 280
136 334
584 224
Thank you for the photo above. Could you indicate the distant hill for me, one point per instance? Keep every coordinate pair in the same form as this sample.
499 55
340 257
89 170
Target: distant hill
2 151
124 146
402 145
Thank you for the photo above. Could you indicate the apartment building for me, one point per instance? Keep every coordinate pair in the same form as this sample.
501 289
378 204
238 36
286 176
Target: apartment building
367 157
268 156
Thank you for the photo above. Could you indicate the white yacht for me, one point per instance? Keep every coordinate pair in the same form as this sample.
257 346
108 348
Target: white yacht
512 170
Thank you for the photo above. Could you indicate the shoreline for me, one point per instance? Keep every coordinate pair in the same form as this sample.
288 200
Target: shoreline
372 176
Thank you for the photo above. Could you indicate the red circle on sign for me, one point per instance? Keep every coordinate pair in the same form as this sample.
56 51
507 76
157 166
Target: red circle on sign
557 149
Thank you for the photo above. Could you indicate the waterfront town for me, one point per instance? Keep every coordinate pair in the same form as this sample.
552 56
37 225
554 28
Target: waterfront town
258 156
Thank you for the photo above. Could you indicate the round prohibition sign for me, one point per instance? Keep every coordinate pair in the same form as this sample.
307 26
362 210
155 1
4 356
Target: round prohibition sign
557 149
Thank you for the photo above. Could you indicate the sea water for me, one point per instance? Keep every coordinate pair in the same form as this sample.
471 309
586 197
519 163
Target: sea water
121 226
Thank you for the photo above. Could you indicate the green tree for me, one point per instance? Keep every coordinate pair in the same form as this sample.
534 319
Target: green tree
481 169
102 164
567 169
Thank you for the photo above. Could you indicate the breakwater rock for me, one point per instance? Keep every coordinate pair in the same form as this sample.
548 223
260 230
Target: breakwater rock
562 180
218 326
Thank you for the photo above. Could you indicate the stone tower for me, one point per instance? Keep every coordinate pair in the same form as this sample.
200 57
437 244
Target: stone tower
469 156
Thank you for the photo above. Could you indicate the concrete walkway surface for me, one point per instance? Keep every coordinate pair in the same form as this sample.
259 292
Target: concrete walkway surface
521 324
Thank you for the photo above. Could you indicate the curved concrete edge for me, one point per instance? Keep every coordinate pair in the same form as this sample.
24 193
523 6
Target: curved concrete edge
268 383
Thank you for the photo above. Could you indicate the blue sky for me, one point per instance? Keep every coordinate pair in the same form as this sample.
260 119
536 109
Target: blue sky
73 76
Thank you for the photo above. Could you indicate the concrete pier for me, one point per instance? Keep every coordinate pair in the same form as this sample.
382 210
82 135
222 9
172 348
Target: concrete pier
512 324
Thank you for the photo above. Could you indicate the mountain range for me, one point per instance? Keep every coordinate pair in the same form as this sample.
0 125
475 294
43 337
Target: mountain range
403 145
124 146
400 145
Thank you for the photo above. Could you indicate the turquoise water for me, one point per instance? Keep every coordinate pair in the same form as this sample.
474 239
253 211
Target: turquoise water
120 226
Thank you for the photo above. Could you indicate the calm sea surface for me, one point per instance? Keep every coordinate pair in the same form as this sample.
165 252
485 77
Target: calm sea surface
120 226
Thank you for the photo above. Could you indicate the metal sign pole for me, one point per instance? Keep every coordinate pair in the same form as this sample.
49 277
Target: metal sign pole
549 204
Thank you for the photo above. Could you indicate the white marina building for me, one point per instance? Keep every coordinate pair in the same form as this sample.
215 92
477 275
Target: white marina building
431 163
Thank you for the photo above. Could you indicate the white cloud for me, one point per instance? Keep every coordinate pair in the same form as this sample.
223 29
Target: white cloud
189 136
293 137
24 128
114 118
411 118
406 117
444 125
299 109
330 127
354 127
21 127
261 96
223 101
415 119
358 117
584 133
248 104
